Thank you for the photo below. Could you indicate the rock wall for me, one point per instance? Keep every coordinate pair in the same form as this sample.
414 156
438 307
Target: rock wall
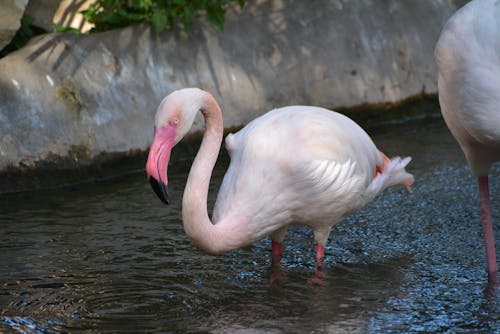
11 12
66 13
80 96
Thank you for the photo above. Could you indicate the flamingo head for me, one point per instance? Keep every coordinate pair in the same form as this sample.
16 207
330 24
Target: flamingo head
174 118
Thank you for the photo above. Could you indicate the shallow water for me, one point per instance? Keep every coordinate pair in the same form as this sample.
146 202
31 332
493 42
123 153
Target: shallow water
111 257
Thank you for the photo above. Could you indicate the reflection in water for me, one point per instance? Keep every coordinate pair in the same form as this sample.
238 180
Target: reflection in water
111 257
350 293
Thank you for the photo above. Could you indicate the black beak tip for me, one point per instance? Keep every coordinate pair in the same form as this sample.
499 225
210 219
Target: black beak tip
160 189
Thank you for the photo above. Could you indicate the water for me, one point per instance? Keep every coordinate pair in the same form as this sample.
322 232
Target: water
110 257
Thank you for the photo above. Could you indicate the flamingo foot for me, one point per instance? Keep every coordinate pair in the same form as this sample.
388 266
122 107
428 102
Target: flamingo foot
277 277
317 279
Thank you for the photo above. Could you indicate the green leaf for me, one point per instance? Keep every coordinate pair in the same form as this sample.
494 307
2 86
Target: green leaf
215 15
186 18
110 14
179 2
60 28
159 20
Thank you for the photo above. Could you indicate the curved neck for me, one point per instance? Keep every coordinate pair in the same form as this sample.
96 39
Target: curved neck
197 224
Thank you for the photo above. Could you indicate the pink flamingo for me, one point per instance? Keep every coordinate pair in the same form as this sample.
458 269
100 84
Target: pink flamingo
296 164
468 58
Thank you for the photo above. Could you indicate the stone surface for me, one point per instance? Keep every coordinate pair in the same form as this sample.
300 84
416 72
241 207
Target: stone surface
42 13
78 96
66 13
11 12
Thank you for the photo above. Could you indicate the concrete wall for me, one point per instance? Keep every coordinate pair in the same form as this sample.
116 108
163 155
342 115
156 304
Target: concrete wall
66 13
78 96
11 12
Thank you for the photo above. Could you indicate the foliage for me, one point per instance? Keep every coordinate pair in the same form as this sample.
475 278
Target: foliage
110 14
61 28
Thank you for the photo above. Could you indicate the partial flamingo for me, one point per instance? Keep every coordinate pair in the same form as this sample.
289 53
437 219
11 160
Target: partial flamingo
468 58
297 164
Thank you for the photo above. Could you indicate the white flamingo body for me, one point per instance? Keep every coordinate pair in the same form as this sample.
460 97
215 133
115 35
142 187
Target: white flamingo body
309 166
468 58
297 164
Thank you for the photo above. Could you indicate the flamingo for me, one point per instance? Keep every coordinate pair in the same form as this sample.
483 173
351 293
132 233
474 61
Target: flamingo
468 58
298 164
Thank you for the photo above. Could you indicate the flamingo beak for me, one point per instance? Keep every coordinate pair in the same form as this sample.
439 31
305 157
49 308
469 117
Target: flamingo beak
159 156
160 189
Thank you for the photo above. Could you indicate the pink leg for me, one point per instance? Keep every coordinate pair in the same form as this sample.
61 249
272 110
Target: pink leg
276 250
320 255
319 276
277 276
489 240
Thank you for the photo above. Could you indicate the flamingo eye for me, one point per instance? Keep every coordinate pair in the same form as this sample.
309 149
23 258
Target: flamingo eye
175 121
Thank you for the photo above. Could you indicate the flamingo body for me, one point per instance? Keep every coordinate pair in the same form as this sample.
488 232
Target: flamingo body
298 164
468 58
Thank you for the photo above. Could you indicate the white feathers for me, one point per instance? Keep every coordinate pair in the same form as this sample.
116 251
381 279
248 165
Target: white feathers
327 175
394 173
300 164
180 107
468 58
230 143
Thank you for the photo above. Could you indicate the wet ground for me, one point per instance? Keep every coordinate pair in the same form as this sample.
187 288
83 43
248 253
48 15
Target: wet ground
110 257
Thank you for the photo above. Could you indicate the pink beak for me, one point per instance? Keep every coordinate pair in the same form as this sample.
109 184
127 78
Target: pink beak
159 156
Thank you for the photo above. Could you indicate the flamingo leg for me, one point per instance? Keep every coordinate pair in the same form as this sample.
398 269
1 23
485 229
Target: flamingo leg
277 276
319 275
489 240
320 256
276 251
